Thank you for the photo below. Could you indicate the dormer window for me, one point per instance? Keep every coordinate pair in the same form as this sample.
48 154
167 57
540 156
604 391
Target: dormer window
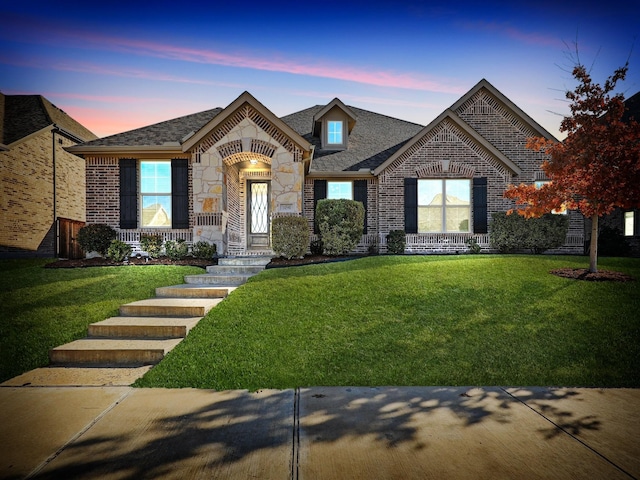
334 132
333 124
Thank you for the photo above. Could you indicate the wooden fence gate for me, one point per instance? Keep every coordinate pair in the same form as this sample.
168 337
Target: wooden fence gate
68 246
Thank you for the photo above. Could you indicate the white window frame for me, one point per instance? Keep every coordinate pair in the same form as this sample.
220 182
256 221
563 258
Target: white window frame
444 206
335 131
342 183
146 194
629 223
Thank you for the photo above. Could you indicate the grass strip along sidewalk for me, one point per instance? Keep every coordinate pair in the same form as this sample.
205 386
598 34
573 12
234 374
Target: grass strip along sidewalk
417 320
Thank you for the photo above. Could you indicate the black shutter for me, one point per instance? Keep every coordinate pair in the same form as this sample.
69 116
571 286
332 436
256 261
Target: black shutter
179 193
360 195
411 205
480 224
319 193
128 193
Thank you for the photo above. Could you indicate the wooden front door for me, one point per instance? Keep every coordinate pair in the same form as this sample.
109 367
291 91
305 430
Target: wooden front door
258 213
69 247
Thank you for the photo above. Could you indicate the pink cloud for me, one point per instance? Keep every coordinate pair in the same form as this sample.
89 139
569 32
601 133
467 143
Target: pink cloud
272 62
506 30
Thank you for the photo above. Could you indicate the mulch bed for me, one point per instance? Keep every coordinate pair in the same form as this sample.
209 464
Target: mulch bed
584 274
195 262
104 262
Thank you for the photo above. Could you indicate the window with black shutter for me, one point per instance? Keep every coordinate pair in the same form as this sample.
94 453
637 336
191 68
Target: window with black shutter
411 205
480 224
360 195
319 193
128 193
179 193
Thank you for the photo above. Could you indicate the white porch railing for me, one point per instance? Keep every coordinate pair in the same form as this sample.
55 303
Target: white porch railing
132 237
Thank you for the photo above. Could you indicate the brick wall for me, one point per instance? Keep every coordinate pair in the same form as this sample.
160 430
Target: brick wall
26 183
103 191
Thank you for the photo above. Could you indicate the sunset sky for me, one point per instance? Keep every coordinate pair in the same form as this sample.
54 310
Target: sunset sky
116 65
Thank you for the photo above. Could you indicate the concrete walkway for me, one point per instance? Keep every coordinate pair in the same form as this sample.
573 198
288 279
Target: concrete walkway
319 433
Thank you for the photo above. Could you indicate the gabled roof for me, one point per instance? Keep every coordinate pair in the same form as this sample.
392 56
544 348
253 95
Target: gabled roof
163 135
24 115
246 98
519 113
336 102
373 139
632 108
450 115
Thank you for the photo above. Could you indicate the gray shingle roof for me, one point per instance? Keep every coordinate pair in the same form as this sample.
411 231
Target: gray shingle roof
374 138
26 114
163 133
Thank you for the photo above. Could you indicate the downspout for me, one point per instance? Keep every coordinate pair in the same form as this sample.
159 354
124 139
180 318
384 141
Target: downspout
55 220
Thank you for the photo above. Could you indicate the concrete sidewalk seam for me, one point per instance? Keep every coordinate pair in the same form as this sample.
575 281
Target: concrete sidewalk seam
295 453
582 442
84 430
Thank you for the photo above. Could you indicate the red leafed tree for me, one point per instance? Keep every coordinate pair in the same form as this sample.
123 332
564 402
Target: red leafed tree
597 167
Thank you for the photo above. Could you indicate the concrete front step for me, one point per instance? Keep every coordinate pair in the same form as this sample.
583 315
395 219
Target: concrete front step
231 280
231 269
143 327
254 260
193 291
169 307
112 352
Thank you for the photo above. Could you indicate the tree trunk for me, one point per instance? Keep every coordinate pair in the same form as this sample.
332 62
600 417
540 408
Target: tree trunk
593 251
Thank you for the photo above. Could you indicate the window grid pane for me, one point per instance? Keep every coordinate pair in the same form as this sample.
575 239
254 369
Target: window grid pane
629 224
334 132
339 190
444 205
155 190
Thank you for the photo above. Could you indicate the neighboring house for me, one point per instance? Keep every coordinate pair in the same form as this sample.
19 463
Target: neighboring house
223 174
626 222
43 186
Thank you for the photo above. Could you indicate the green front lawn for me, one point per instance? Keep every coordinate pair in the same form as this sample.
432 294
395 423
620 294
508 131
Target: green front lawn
407 320
44 308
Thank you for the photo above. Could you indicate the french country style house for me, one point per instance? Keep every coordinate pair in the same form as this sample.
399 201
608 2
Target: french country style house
42 186
222 175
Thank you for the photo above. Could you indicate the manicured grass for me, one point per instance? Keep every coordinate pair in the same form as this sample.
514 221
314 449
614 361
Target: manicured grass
44 308
409 320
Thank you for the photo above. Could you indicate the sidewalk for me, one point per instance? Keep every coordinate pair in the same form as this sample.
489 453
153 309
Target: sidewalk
320 433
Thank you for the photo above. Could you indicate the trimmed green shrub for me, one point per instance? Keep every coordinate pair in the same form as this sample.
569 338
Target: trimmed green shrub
474 247
152 244
547 232
118 250
316 247
96 237
341 223
396 242
204 250
176 249
510 233
289 236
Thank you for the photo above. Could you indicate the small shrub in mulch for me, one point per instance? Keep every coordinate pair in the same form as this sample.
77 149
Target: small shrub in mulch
584 274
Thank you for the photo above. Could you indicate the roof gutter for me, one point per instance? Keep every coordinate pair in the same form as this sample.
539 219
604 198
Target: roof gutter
364 173
67 134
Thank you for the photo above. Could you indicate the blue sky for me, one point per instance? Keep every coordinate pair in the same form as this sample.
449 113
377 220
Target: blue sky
119 65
